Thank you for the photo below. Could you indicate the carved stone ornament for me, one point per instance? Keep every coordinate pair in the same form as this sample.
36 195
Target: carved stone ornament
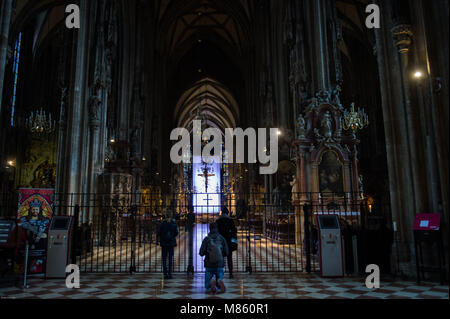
402 35
301 127
95 102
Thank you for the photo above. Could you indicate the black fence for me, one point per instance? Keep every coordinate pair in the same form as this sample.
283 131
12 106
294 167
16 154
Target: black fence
119 232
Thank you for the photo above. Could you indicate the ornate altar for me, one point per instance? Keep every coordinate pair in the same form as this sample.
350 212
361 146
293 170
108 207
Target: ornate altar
151 202
115 193
327 159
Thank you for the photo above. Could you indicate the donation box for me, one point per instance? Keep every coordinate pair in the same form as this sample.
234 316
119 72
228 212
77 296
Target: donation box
331 248
59 242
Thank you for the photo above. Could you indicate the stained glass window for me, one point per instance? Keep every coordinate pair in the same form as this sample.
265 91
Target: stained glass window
16 75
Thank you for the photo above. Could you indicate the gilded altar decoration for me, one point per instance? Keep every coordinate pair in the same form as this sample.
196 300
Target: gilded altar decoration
44 176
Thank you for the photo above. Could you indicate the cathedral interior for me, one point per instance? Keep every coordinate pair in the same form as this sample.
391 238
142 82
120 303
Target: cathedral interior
361 115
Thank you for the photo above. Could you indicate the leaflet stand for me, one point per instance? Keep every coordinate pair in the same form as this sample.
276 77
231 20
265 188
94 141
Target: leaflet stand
427 230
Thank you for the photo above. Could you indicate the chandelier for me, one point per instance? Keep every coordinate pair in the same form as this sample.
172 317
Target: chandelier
40 123
355 121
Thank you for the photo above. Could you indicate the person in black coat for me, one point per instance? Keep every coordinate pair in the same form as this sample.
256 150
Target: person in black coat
228 231
167 233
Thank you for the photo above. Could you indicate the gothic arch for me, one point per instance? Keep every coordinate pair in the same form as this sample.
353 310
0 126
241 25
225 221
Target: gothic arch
217 104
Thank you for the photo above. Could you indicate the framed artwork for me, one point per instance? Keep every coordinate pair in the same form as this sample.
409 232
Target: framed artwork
331 180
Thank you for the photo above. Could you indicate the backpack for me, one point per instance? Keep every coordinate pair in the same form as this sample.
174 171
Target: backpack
215 255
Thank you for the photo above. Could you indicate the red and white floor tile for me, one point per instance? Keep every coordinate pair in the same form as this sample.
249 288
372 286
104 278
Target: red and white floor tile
243 286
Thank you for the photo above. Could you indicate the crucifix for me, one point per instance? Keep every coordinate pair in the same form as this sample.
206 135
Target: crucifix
206 173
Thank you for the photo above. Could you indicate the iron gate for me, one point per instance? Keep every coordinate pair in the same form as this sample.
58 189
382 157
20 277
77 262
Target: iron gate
272 237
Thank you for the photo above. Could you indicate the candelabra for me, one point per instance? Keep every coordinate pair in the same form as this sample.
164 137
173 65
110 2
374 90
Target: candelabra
355 121
40 123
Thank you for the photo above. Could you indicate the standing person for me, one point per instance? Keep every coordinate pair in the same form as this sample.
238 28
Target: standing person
167 232
228 231
214 248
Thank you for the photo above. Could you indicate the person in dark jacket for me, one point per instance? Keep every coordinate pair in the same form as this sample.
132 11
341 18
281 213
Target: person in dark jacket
214 248
167 233
228 231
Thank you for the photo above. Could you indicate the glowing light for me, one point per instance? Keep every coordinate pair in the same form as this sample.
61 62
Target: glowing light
206 200
418 74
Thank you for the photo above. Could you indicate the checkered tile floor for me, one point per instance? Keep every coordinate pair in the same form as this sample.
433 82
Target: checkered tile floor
243 286
266 255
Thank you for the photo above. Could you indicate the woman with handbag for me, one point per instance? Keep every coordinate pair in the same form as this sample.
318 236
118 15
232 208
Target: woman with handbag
228 230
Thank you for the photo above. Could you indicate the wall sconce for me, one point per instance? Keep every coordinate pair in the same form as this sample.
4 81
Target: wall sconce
436 81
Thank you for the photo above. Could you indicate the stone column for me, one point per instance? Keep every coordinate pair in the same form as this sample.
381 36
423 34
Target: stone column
5 19
317 29
300 200
355 176
94 125
70 152
302 177
403 37
396 133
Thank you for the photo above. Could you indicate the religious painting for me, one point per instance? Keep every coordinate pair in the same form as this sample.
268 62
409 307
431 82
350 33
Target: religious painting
35 212
44 175
39 167
331 181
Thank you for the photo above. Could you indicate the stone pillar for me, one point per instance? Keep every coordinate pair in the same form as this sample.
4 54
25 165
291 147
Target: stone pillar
389 43
300 200
355 176
94 125
403 36
302 176
71 153
317 28
5 19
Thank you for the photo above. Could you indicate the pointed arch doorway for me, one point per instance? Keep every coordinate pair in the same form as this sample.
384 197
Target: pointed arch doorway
213 104
208 184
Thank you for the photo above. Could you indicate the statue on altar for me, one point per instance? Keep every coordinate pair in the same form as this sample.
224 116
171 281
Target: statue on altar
301 126
327 126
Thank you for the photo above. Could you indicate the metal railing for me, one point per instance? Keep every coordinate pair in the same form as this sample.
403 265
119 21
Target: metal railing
278 233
